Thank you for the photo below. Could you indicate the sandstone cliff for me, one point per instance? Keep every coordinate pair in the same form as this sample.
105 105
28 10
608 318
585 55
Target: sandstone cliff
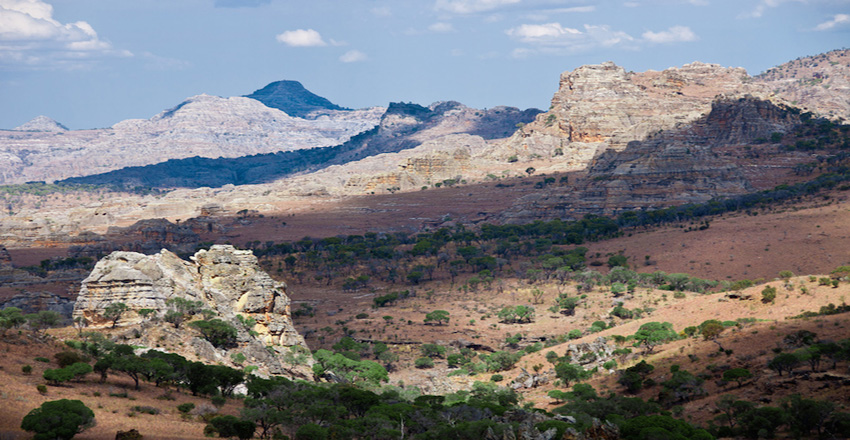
724 153
225 280
602 106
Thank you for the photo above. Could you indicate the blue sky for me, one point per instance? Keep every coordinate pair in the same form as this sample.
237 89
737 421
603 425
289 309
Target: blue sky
92 63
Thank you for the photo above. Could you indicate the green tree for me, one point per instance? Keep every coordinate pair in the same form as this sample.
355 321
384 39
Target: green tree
568 372
568 304
437 316
58 419
114 311
738 375
618 260
768 294
231 426
10 317
43 319
652 334
217 332
784 362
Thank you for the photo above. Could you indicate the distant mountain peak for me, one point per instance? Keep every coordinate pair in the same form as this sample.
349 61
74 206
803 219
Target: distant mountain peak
42 123
291 97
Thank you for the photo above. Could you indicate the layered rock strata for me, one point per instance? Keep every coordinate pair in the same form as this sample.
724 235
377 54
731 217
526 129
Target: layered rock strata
223 279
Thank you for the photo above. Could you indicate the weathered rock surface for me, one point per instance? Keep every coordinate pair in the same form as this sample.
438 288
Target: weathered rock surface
41 123
203 125
819 83
693 163
225 280
602 106
33 302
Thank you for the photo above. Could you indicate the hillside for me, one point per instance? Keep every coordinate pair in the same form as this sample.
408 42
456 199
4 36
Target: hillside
293 99
203 126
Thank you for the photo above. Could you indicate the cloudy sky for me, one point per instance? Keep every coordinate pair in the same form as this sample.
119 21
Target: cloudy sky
92 63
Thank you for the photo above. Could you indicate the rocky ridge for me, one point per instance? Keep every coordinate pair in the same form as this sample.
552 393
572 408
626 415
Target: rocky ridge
223 279
203 125
693 163
292 98
41 123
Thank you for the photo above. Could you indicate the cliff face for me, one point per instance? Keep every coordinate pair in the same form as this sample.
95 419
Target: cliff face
599 107
691 164
225 280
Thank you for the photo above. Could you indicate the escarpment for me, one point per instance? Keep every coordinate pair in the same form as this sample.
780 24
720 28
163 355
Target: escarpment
223 282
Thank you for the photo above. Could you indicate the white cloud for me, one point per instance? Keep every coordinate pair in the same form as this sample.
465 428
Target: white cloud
31 37
631 4
763 6
545 14
548 33
353 56
381 11
552 38
837 20
675 34
441 28
471 6
301 38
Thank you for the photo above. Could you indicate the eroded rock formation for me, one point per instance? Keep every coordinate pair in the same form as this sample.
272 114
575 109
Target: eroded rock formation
225 280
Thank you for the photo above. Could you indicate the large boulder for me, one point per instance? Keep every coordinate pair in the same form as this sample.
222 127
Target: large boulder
223 279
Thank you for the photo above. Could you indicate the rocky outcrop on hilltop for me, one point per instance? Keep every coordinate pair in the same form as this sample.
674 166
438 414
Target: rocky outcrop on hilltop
599 107
403 127
292 98
819 84
406 126
724 153
203 126
41 123
225 280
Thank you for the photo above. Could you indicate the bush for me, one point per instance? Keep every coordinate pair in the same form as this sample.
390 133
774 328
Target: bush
768 294
424 362
26 369
217 332
41 388
146 409
496 378
58 419
185 408
231 426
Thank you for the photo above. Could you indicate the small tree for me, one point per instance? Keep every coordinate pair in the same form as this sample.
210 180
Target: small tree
784 362
43 319
437 316
768 294
653 333
218 332
738 375
114 311
58 419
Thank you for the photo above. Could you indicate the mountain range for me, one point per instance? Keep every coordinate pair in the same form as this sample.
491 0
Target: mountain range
625 140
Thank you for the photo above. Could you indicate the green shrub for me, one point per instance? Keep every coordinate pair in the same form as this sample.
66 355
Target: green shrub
768 294
424 362
185 408
42 388
146 409
496 378
26 369
58 419
610 365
